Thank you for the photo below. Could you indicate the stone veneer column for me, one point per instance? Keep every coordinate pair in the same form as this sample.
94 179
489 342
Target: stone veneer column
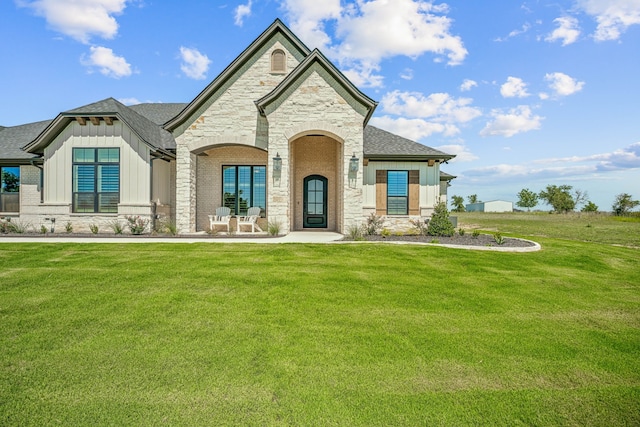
353 183
278 185
185 190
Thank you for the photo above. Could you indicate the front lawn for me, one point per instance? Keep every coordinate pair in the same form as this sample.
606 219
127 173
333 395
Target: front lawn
290 334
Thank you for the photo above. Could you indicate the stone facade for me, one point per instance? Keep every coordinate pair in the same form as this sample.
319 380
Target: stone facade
313 106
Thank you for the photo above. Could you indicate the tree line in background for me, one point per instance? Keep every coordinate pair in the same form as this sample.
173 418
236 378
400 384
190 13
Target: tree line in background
562 198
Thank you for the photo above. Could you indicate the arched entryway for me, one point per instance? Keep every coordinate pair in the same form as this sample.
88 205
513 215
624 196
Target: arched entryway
316 196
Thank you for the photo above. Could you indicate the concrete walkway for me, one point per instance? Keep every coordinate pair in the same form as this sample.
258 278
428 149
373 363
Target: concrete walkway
293 237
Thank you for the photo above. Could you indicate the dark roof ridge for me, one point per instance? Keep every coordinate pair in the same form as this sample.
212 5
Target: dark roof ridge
317 56
230 70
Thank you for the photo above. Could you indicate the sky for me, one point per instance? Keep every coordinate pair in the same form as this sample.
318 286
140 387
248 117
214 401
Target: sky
526 93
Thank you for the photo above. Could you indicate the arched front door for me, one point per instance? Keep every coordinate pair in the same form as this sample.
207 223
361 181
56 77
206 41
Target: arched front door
315 202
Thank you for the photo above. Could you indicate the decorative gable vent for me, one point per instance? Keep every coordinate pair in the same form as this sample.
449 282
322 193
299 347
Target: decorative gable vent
278 61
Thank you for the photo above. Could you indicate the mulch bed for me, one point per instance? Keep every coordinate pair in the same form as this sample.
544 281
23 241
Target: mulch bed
465 240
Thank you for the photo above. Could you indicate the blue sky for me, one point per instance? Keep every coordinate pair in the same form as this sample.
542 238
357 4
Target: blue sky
526 93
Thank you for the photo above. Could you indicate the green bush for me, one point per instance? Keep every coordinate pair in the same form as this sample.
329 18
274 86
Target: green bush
136 224
440 225
94 228
68 227
420 225
355 232
475 234
498 238
374 224
273 228
5 225
117 227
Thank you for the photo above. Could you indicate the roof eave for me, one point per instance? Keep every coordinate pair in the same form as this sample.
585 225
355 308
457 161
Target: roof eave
20 161
231 69
44 139
409 157
317 56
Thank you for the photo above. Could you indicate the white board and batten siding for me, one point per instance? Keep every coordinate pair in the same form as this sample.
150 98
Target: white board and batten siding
429 182
134 161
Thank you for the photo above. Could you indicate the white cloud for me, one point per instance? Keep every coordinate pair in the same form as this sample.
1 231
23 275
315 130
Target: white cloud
407 74
517 120
413 129
194 64
108 63
440 107
526 27
562 84
467 85
514 87
402 27
364 75
242 11
568 30
623 158
79 19
613 16
307 18
366 32
129 101
461 151
576 167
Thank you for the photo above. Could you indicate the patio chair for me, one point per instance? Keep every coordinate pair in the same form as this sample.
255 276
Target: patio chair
222 217
251 219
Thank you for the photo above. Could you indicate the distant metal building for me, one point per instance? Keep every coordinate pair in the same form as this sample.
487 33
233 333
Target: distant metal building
492 206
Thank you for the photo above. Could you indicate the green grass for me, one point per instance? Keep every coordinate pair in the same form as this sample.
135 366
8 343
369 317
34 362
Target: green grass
588 227
359 335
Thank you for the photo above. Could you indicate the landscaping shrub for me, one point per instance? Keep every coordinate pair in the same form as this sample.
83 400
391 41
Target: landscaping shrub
137 225
420 225
355 233
374 224
117 227
273 228
439 224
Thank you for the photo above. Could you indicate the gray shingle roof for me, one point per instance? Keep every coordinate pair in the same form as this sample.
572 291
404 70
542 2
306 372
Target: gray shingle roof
147 128
14 137
380 144
159 113
446 176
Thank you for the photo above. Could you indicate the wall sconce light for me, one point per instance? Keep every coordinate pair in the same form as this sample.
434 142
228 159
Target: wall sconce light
353 163
277 163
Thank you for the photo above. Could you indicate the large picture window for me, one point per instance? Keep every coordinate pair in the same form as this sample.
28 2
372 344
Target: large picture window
96 180
244 187
9 188
397 192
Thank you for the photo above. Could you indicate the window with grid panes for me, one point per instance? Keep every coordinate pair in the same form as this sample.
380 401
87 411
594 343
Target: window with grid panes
96 180
244 187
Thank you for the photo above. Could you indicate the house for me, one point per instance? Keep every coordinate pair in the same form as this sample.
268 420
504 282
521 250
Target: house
492 206
280 128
